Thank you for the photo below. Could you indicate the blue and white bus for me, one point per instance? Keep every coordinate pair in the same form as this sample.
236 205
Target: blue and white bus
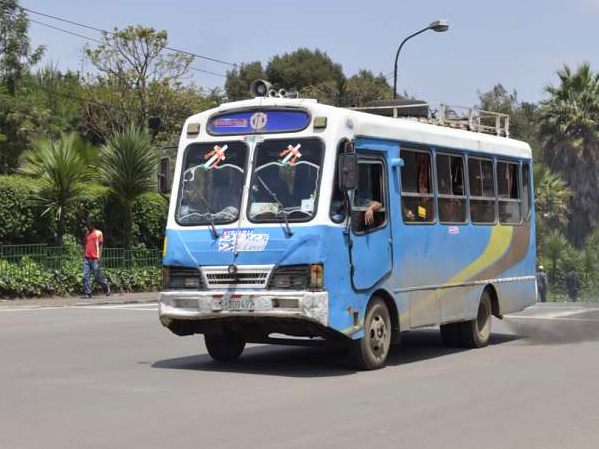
324 224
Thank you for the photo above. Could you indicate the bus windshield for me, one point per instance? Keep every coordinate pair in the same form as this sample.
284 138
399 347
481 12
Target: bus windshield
211 183
285 181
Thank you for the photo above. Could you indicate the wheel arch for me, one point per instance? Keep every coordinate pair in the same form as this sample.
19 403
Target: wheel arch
393 313
495 308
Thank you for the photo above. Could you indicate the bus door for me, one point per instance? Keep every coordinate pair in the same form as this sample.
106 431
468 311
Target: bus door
371 230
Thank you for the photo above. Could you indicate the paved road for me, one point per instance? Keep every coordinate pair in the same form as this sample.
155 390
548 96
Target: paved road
112 377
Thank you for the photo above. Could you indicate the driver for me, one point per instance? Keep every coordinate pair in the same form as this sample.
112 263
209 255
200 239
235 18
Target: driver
227 194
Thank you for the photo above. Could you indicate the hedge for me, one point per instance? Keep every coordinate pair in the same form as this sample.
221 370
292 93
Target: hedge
21 221
32 280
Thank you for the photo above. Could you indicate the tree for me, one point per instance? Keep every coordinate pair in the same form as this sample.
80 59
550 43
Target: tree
239 79
134 72
523 116
364 87
62 168
127 165
16 57
306 70
570 129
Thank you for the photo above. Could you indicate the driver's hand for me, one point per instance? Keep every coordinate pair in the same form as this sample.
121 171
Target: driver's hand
369 217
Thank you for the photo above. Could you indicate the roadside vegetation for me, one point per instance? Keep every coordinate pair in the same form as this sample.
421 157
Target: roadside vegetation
76 144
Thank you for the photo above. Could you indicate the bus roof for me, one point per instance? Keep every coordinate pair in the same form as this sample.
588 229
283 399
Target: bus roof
388 128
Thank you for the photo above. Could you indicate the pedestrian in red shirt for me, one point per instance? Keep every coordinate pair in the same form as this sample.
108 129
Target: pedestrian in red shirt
92 259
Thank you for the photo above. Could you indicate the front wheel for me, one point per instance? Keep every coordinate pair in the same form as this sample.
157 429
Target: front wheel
224 347
370 352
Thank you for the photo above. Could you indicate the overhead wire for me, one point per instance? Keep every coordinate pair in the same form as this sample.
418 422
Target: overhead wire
195 69
72 22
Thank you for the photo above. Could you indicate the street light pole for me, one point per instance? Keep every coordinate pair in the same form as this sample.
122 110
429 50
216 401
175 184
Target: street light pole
438 25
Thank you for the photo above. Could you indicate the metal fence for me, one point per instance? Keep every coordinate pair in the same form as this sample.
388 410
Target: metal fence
54 258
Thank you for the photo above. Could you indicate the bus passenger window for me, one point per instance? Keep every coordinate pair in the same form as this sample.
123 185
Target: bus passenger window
338 209
508 185
368 210
418 205
527 196
450 189
482 191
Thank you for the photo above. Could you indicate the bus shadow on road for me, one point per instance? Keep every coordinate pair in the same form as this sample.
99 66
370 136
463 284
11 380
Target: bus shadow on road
417 346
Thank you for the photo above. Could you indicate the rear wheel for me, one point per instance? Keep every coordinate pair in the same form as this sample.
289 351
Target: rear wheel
475 333
224 347
370 352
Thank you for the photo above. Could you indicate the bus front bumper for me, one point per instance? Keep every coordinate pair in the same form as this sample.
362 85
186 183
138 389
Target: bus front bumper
214 304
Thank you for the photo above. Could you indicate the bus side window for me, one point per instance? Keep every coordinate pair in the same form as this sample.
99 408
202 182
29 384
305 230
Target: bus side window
508 184
482 191
450 189
417 196
370 194
527 196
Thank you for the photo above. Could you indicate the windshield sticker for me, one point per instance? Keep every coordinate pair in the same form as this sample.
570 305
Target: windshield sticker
247 240
215 157
291 154
308 204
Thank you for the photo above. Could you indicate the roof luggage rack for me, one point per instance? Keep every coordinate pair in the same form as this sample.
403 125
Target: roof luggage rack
459 117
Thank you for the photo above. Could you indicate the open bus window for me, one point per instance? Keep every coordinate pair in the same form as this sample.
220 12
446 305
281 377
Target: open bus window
368 209
285 180
338 210
450 188
482 191
211 183
527 196
416 187
508 184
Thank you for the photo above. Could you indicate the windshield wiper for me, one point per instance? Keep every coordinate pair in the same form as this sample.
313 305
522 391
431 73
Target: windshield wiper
271 193
210 214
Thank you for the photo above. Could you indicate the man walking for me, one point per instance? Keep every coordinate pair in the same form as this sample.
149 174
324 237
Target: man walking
92 259
542 284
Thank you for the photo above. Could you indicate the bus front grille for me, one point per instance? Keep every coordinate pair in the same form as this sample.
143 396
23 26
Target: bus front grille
247 276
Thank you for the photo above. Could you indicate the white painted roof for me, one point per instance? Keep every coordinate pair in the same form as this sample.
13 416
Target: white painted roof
376 126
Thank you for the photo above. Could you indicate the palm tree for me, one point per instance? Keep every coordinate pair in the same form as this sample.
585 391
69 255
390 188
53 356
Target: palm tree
127 166
555 248
62 168
570 128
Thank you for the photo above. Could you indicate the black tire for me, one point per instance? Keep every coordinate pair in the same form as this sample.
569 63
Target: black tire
224 347
475 333
450 334
371 351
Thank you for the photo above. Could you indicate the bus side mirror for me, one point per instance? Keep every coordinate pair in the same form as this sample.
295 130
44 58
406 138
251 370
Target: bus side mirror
348 171
164 175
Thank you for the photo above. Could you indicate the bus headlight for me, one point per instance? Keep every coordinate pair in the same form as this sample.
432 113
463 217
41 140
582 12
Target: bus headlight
297 277
181 278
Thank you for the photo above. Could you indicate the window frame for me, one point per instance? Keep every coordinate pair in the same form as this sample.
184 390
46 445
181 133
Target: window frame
182 170
483 198
432 195
447 196
340 147
318 184
499 200
526 215
373 159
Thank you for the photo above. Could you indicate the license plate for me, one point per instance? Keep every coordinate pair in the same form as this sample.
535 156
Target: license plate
241 304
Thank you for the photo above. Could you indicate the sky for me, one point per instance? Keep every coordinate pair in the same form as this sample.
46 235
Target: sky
520 44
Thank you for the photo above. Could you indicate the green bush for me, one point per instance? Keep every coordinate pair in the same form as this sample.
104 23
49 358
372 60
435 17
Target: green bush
29 279
23 222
